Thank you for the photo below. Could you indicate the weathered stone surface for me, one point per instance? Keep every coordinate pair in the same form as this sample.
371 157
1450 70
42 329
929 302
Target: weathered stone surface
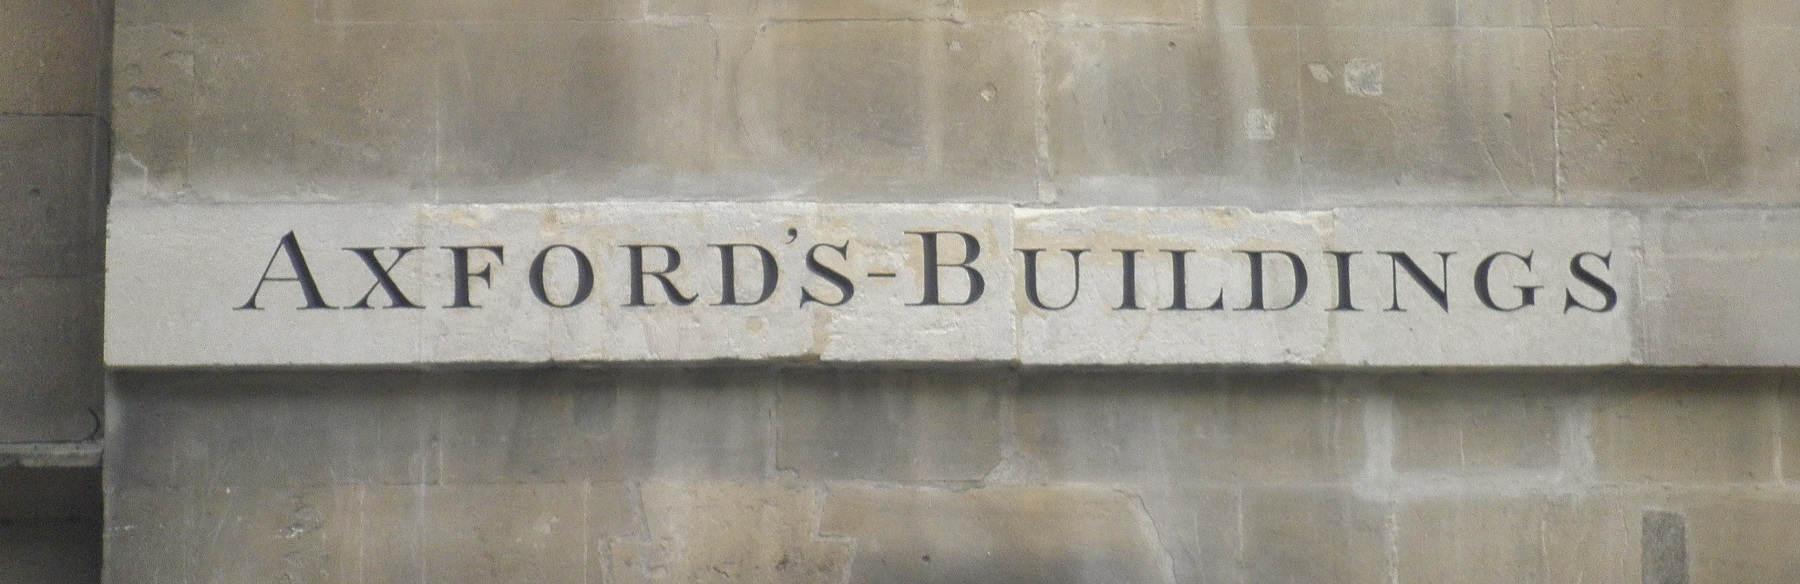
996 534
365 11
270 430
50 200
1465 540
1425 115
1313 535
1718 288
1115 136
54 61
1742 538
1788 395
1473 425
631 425
1198 528
1176 429
1572 321
1687 429
900 425
725 532
481 533
232 535
601 282
50 372
1084 11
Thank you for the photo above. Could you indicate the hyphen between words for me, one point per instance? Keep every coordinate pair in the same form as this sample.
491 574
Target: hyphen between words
952 268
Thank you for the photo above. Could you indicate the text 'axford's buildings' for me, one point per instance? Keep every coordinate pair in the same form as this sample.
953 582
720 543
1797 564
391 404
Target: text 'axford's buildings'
867 291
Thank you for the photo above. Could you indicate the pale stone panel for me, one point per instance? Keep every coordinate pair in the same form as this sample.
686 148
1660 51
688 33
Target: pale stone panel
1742 537
194 269
153 87
995 534
210 535
1397 320
475 10
462 533
1102 327
1466 425
1085 11
1319 535
723 533
1719 288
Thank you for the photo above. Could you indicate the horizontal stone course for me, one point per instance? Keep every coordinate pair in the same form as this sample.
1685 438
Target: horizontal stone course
661 282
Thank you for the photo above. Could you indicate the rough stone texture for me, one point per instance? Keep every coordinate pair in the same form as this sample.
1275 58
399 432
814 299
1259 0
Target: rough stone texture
728 533
1470 540
1485 426
1706 280
51 206
55 62
50 374
1313 535
1002 534
937 427
1663 429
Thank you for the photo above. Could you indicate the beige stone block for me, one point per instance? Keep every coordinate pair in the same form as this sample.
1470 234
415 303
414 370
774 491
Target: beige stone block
260 430
1648 113
1742 537
1198 528
1314 535
1740 14
1425 115
1400 319
1767 78
221 536
1595 537
483 533
880 111
895 426
571 111
189 12
1687 429
856 9
1467 540
995 534
1318 13
54 57
51 207
1718 287
1085 12
153 88
1476 424
1116 137
304 112
1178 429
629 425
363 11
50 372
727 532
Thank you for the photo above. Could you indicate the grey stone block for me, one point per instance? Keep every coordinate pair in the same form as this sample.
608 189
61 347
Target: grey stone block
890 425
51 204
1718 286
50 372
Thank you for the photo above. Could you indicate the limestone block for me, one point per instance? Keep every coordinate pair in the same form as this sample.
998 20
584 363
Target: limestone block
1642 13
1718 287
1742 537
1687 429
725 532
221 310
50 371
900 425
489 533
293 111
1767 77
570 111
1333 14
1109 319
1178 429
1789 397
233 535
1577 257
153 88
1117 137
1467 540
996 534
882 111
1595 538
1313 535
1425 115
270 430
1085 11
629 425
1198 528
55 57
1649 113
363 11
1471 425
50 202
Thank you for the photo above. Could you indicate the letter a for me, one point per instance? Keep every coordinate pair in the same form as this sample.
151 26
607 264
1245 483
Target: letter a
302 275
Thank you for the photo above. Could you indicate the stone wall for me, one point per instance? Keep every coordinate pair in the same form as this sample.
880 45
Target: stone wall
53 184
1680 113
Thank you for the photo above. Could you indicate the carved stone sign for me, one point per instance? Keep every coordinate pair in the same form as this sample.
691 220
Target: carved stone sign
603 282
